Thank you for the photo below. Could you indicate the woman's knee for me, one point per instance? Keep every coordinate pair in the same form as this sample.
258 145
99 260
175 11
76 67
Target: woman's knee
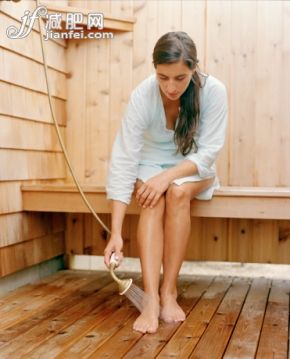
157 210
176 196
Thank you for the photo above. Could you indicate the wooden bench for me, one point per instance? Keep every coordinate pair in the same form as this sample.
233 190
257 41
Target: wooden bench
227 202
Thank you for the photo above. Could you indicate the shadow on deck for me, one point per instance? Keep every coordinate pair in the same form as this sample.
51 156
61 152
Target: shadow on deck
79 314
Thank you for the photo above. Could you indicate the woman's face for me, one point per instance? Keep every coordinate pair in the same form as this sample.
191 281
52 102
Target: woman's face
173 79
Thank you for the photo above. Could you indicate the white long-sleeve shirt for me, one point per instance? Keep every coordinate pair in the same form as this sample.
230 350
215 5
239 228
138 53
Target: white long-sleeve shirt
144 146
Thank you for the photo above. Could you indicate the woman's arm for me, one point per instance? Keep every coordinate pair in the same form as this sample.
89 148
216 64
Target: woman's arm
116 241
123 167
126 151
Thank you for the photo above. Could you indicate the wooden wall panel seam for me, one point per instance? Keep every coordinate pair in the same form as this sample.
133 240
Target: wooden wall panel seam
23 255
11 244
29 150
29 74
31 120
50 67
29 89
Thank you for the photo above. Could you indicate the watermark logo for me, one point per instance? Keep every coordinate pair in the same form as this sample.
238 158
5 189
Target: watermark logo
74 25
27 23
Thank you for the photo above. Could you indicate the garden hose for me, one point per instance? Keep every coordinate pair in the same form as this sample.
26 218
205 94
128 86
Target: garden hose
67 159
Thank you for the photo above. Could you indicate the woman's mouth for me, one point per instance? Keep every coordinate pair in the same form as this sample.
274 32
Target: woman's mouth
172 95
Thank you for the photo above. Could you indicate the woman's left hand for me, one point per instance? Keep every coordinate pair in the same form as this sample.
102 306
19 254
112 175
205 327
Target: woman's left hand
150 191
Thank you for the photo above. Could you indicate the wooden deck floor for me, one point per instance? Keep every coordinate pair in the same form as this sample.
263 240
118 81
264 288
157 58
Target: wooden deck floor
79 314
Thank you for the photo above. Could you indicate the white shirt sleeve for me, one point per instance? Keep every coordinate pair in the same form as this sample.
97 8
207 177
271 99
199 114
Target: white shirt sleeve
212 129
123 168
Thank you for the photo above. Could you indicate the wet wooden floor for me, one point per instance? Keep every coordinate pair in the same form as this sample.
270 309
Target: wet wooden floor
79 314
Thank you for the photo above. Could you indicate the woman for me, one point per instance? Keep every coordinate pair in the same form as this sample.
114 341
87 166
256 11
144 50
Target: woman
169 139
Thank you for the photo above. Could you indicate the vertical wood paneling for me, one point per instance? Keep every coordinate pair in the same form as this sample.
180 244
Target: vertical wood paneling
97 112
120 69
218 39
268 103
76 110
140 36
283 242
98 104
195 241
240 240
133 252
265 241
242 89
169 16
214 239
96 237
74 235
152 32
228 37
283 95
193 17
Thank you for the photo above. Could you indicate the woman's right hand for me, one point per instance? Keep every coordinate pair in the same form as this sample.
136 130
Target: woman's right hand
115 245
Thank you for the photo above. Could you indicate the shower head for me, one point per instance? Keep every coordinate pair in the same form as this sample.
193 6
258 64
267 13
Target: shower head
123 284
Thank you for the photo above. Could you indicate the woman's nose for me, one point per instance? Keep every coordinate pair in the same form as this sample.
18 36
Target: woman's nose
171 87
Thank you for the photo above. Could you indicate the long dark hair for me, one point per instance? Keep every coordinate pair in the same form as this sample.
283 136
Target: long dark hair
170 48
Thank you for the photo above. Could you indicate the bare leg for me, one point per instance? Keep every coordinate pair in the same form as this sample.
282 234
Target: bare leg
176 233
150 245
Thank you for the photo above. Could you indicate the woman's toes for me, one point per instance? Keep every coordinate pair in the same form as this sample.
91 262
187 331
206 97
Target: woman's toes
148 321
146 324
171 311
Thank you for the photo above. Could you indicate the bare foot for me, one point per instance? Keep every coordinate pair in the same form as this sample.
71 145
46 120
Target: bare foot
148 322
170 310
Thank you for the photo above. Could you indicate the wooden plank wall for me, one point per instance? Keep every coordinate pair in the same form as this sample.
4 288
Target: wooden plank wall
243 43
29 150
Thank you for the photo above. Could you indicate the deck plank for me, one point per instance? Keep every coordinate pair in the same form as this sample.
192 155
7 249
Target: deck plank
64 338
82 327
79 314
28 341
245 338
25 293
38 300
98 334
150 345
121 342
28 288
274 335
72 297
11 300
215 339
188 334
